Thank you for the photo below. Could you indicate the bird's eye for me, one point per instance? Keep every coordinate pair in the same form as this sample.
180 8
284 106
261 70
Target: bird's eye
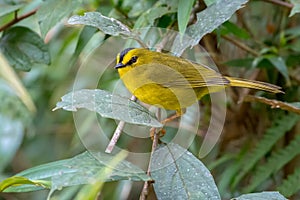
134 59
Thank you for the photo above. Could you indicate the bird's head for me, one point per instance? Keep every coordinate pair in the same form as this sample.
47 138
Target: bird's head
132 57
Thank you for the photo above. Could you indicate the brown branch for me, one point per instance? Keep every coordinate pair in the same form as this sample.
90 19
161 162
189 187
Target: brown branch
17 19
273 103
241 45
280 3
146 186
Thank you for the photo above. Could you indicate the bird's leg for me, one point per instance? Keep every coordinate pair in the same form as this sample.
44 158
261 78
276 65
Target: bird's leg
161 131
178 113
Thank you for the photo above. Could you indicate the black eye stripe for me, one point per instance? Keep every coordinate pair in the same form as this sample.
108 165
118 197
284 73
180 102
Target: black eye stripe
132 60
123 53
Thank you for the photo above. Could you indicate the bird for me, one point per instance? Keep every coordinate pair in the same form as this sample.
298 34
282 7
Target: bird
174 83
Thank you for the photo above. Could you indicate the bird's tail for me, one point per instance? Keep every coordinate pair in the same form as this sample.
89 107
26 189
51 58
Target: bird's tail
238 82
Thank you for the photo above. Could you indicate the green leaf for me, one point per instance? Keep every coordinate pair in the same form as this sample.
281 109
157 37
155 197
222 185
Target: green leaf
107 25
290 185
183 14
108 105
6 9
19 180
243 62
92 191
53 11
84 37
292 33
280 65
138 7
229 27
209 2
81 169
296 7
261 196
208 20
178 174
172 4
23 47
148 18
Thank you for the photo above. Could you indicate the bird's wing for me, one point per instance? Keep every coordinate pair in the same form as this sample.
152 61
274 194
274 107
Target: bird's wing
183 73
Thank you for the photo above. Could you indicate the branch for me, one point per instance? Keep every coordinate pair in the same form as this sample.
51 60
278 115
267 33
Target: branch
117 133
274 103
241 45
17 19
281 3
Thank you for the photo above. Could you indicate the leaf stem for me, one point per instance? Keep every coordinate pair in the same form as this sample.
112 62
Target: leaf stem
117 133
17 19
281 3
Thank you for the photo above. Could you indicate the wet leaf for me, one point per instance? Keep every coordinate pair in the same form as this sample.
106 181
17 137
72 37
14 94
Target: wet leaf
207 21
91 191
107 25
178 174
81 169
261 196
108 105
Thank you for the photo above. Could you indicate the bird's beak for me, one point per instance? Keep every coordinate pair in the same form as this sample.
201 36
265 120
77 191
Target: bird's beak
119 65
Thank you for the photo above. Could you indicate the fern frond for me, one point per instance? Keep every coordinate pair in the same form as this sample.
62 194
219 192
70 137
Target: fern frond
275 163
282 124
226 177
290 185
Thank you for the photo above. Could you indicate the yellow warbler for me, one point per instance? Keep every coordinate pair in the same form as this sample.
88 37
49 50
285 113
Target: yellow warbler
174 83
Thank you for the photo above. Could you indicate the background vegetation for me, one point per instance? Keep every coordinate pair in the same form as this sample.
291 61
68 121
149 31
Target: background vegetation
41 54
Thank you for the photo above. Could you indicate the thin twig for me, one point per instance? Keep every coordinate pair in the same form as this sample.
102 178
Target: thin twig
241 45
117 133
281 3
145 190
17 19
